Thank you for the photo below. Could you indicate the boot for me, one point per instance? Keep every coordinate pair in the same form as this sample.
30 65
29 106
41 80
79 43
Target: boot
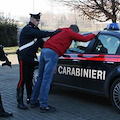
28 100
21 105
2 111
29 92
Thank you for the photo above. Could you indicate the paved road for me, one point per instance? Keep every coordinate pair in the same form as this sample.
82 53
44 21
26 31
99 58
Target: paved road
70 104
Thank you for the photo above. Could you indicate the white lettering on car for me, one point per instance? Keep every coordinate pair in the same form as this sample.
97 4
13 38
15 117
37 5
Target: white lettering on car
60 69
99 74
68 70
82 72
77 72
73 72
85 71
94 74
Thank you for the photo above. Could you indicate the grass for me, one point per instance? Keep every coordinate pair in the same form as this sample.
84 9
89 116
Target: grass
10 50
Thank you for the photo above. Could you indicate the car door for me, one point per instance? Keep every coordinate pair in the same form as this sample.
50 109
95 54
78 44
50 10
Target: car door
86 65
99 62
68 68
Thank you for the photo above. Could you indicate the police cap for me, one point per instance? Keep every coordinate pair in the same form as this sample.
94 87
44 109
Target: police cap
36 16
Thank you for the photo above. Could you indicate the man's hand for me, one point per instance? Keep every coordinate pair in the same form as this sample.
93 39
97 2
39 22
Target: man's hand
96 32
56 31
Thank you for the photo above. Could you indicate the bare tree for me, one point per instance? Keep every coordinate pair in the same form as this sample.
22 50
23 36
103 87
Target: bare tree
100 10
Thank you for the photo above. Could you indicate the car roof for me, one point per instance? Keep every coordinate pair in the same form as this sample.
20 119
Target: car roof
111 32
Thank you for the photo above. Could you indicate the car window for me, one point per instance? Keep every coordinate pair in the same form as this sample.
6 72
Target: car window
78 47
107 44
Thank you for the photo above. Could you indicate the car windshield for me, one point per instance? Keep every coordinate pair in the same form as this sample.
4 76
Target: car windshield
77 47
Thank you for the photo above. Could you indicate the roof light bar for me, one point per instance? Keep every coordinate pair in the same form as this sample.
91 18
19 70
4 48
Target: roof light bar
113 26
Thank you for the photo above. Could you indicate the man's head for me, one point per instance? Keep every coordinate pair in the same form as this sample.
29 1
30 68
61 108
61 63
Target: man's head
74 28
35 18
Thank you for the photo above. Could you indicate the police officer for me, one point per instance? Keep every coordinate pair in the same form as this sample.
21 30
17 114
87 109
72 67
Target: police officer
3 57
29 42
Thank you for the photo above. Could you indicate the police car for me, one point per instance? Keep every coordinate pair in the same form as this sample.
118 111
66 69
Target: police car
93 66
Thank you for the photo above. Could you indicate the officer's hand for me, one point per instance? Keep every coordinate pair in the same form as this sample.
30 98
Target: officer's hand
96 32
56 31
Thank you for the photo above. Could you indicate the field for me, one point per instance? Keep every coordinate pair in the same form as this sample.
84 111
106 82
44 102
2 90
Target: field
12 50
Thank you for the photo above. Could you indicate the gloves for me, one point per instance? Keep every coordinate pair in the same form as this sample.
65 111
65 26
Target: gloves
55 32
95 32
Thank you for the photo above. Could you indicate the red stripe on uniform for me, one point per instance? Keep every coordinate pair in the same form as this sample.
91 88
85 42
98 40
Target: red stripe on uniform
21 73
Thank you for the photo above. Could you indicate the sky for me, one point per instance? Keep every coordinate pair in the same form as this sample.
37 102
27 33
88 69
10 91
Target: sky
16 8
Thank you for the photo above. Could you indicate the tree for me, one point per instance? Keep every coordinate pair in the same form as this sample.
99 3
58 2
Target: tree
8 31
100 10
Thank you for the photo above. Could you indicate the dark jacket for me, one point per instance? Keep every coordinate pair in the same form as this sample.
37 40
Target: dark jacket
28 34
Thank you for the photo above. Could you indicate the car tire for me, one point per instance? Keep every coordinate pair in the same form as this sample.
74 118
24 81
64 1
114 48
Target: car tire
115 94
35 75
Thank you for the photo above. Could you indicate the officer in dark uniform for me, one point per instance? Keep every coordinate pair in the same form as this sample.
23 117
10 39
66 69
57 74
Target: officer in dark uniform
3 57
29 42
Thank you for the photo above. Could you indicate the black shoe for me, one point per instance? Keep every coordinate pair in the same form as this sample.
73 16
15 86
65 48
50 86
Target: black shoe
5 114
48 109
28 100
33 105
22 106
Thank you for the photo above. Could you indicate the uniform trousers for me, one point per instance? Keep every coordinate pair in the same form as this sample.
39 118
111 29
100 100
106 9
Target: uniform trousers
26 76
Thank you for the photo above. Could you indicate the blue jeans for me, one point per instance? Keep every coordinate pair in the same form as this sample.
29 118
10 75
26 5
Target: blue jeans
47 65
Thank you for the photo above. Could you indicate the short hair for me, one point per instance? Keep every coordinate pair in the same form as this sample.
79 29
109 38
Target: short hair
74 28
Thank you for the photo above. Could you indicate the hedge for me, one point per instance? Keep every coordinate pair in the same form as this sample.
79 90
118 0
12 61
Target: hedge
8 34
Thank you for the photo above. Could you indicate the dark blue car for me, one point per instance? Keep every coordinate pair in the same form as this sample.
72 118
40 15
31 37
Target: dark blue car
92 66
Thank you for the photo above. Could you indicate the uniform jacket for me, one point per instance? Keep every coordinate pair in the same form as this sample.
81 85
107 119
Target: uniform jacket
28 34
61 41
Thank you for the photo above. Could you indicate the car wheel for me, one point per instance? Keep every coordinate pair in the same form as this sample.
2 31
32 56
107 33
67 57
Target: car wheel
35 75
115 94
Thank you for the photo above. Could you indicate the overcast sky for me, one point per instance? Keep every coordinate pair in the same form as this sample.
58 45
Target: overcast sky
23 7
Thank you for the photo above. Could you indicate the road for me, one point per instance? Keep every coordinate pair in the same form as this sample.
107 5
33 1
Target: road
70 104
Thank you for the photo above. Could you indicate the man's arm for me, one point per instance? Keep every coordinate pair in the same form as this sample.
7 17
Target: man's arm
79 37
